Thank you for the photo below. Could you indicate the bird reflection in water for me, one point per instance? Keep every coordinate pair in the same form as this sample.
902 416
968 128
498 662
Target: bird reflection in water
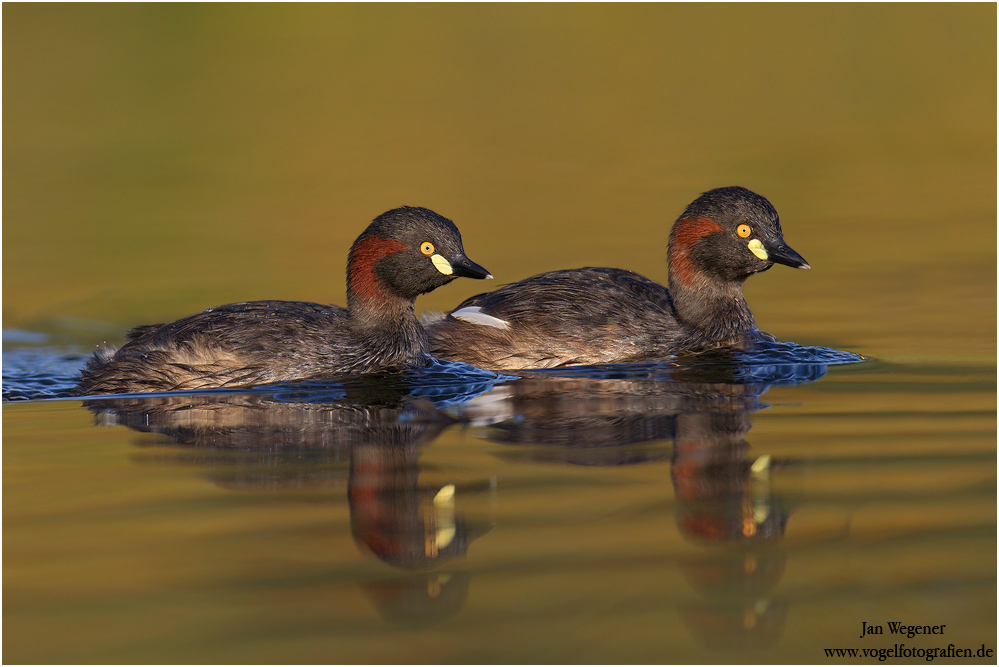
595 416
724 499
368 437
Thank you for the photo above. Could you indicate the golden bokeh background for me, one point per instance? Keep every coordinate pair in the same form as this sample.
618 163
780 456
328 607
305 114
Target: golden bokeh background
160 159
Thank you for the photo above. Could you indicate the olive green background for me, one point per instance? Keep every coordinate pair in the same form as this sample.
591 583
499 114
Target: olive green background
160 159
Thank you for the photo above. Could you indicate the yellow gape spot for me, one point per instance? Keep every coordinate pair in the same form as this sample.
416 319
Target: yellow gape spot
442 521
757 248
761 465
442 264
427 248
445 495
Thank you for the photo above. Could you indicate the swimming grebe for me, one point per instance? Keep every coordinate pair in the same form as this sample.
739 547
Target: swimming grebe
603 315
404 253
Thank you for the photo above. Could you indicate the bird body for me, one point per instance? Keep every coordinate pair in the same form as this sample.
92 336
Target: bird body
403 253
606 315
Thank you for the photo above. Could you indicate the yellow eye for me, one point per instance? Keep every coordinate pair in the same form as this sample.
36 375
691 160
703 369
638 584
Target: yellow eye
743 231
427 248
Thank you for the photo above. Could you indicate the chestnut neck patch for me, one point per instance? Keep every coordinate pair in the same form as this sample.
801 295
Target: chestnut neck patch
362 281
686 233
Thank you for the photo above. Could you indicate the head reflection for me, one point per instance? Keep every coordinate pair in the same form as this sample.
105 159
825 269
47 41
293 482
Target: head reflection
397 519
725 503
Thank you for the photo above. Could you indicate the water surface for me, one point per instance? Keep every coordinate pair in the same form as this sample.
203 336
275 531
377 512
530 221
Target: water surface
699 512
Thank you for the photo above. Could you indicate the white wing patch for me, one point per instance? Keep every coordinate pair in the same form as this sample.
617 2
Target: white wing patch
474 315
